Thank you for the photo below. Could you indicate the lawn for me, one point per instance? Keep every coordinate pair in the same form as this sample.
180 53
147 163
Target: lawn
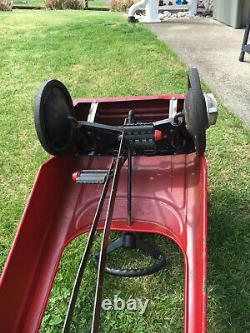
99 54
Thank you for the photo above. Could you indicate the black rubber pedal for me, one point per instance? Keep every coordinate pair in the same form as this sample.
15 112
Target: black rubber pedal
91 176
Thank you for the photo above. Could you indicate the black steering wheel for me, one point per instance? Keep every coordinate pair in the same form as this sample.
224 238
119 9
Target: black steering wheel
131 241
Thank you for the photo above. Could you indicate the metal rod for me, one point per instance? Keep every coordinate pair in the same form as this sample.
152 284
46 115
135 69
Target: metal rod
103 253
129 198
78 279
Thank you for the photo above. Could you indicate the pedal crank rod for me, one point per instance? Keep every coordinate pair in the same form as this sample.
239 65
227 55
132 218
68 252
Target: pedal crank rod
78 280
113 173
106 230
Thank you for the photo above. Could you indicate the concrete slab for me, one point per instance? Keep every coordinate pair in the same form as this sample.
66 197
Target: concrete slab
214 49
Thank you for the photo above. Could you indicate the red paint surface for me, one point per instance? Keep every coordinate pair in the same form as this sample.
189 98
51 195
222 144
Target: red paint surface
59 210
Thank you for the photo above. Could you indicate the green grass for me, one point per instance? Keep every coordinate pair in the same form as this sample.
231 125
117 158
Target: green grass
99 54
99 4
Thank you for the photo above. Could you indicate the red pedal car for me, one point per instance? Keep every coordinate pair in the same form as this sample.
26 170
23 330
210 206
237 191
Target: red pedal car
107 153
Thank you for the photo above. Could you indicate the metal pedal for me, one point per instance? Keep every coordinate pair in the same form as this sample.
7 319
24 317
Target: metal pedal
90 176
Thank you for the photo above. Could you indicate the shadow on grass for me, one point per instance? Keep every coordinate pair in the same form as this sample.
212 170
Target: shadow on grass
228 261
164 290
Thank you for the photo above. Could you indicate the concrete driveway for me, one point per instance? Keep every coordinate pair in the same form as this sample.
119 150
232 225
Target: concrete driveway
214 49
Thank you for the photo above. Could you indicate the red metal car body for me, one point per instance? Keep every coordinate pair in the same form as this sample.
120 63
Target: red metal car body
169 198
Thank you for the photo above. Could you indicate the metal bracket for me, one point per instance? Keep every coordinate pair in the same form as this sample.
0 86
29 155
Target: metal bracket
92 112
